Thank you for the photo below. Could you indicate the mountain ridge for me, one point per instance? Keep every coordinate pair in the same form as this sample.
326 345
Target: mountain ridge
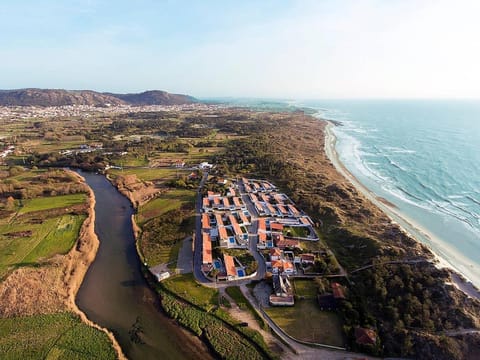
62 97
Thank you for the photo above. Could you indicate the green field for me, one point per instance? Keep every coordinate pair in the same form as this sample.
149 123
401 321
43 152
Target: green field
23 243
173 199
54 336
186 287
305 288
149 174
52 202
306 322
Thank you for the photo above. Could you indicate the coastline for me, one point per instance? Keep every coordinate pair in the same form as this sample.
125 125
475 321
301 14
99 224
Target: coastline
415 231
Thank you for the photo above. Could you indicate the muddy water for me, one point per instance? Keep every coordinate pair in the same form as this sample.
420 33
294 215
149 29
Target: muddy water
114 293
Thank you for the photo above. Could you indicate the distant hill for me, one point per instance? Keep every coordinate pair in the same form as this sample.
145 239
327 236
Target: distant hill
60 97
155 97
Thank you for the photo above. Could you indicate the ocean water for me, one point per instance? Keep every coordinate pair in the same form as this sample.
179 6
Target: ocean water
424 157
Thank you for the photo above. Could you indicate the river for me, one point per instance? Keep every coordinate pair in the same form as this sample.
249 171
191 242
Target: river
114 293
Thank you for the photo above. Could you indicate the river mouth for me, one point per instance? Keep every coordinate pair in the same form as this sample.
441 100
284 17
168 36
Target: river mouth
114 292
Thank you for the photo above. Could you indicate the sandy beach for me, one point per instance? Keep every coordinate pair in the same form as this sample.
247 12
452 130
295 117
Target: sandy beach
408 225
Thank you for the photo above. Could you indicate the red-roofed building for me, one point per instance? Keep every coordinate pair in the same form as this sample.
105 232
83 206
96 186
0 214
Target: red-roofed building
206 249
244 219
230 266
278 198
206 202
219 220
205 222
293 210
283 243
307 258
222 234
276 227
271 209
262 239
238 203
262 225
282 210
365 336
305 221
337 291
275 254
226 203
282 266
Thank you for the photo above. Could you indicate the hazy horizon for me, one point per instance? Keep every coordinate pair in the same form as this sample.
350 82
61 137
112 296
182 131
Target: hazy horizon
271 49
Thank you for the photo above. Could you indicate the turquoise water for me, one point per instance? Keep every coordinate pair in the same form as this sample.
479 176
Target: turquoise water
424 157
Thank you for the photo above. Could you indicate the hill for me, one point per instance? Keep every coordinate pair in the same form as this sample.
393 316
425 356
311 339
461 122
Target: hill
60 97
155 97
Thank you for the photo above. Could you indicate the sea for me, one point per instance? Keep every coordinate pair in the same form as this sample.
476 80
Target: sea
423 156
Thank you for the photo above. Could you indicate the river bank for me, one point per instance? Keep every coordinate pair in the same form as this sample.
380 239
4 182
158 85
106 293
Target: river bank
115 294
408 225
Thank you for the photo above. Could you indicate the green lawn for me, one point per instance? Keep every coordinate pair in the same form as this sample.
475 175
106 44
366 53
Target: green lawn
296 231
305 321
54 336
186 287
52 202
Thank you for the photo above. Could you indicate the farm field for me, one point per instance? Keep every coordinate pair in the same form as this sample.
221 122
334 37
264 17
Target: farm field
52 336
24 243
173 199
52 202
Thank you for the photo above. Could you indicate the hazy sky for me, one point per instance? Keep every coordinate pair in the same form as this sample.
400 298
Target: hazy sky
258 48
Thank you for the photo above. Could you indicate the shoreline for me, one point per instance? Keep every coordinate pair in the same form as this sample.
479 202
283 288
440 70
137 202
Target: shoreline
459 280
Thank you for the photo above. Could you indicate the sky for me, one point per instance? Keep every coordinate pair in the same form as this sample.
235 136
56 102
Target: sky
296 49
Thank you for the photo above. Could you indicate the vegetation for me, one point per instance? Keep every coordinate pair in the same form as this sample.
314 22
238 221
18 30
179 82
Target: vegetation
53 336
52 202
306 322
236 294
162 236
186 287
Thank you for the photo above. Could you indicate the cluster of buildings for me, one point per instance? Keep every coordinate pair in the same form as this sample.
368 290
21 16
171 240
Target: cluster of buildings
280 228
225 219
38 112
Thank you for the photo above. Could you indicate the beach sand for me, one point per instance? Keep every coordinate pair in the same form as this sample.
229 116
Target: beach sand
407 225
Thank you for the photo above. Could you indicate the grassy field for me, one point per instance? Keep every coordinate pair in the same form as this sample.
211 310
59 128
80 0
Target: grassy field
54 336
149 174
186 287
305 288
173 199
23 243
306 322
52 202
